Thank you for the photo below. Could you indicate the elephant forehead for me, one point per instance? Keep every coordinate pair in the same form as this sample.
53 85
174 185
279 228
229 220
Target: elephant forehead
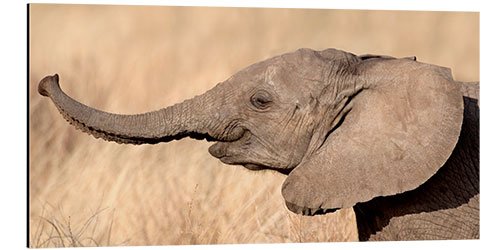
286 65
270 74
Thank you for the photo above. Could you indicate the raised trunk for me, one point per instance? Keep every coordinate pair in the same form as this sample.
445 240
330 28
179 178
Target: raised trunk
174 122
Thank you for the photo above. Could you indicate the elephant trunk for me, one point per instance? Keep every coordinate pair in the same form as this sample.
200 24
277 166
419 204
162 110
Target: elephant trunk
193 118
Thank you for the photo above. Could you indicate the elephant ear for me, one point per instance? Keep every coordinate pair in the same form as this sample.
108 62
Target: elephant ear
401 129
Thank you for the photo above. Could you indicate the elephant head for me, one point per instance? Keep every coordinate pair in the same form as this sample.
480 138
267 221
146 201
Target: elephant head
344 128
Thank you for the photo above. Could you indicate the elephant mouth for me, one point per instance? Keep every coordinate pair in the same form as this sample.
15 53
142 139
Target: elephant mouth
235 152
219 151
224 150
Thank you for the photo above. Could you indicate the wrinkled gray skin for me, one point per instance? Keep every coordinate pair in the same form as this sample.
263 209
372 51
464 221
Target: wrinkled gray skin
394 138
444 207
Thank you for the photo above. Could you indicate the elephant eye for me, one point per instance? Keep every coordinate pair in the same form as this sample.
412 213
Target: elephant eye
261 100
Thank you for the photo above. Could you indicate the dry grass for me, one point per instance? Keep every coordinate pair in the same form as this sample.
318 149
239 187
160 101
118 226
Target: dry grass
87 192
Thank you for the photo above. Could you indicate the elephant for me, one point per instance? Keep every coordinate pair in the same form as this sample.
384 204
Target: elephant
393 138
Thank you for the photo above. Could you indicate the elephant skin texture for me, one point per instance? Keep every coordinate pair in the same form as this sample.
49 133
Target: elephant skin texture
444 207
396 139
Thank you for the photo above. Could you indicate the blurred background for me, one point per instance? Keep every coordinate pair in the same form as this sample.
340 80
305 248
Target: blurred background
132 59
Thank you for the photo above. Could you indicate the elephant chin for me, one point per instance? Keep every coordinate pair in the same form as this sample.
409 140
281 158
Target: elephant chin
254 167
257 167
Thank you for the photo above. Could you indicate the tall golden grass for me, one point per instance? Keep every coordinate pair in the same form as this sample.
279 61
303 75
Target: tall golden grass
132 59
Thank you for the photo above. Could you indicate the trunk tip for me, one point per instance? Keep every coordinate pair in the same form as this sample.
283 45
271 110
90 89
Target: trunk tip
47 84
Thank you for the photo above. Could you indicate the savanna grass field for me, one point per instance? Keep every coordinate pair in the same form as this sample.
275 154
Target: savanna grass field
132 59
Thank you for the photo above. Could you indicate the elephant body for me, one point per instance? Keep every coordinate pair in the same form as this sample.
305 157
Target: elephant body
444 207
396 139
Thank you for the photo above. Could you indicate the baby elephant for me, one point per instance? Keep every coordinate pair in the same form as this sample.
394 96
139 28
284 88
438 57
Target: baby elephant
396 139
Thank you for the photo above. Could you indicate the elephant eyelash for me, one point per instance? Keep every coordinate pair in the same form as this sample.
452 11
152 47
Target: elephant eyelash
261 100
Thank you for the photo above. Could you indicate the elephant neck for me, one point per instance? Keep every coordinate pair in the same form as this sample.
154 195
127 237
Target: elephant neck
444 207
